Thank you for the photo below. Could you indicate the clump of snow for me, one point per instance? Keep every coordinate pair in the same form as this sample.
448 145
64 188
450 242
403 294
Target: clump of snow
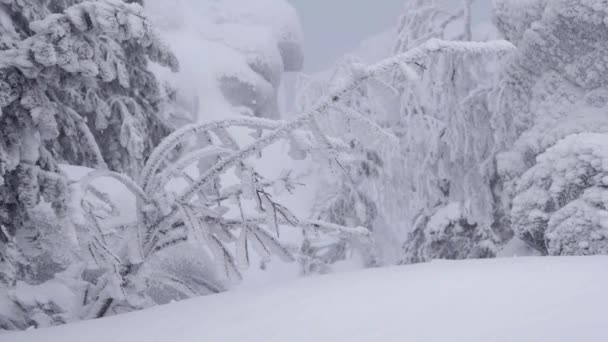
117 192
42 295
444 217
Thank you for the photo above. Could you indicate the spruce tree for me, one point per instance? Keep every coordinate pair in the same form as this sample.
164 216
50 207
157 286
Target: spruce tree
74 88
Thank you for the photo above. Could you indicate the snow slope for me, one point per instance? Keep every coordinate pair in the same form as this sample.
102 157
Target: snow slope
517 299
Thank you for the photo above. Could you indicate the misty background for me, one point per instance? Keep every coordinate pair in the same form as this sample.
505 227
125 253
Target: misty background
333 28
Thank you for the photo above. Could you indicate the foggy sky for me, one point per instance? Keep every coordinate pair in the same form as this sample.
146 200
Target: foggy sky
333 28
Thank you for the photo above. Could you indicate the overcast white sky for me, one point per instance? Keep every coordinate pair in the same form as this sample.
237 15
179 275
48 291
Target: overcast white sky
335 27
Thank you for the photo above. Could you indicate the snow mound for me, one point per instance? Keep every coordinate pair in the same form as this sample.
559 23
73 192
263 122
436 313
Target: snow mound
517 299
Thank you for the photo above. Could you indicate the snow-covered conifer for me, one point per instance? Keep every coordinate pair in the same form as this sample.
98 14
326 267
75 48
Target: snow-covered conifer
74 88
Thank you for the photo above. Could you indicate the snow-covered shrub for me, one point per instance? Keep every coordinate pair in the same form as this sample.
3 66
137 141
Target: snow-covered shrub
448 234
559 206
49 303
550 89
225 209
579 228
181 272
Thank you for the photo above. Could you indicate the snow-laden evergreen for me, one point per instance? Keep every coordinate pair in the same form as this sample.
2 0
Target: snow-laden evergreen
75 88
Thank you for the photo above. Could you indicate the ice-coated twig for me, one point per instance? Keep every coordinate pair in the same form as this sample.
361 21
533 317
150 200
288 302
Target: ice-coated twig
388 136
163 150
178 167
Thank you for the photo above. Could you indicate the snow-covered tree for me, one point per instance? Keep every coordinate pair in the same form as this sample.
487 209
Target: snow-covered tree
368 185
471 125
446 136
89 61
75 88
549 90
436 111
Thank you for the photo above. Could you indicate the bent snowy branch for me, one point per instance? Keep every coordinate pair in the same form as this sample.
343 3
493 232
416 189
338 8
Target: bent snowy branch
433 46
160 153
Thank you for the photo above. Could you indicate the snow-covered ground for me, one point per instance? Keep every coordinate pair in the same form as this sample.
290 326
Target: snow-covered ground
510 299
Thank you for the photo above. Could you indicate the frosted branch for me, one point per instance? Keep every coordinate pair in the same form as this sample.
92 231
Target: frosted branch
161 152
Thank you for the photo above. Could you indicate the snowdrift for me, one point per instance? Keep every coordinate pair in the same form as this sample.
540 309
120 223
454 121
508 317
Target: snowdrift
518 299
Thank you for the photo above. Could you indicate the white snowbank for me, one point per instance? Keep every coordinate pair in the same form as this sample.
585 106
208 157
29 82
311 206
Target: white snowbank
518 299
